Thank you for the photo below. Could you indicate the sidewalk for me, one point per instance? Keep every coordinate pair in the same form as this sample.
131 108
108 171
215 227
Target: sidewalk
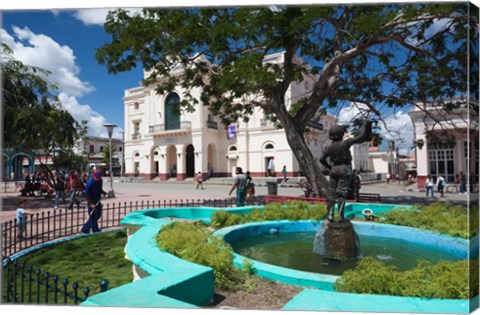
127 191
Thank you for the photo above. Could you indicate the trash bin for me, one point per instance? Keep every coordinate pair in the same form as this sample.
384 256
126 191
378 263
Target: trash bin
272 188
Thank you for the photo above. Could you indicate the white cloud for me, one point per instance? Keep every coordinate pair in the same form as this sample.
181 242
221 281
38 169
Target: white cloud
81 112
38 49
98 16
91 16
397 126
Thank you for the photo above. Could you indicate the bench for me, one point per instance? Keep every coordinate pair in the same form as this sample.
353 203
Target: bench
29 189
282 199
368 197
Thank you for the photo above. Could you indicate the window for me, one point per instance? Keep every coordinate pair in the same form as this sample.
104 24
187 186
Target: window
136 105
441 162
101 148
232 148
92 148
269 146
172 112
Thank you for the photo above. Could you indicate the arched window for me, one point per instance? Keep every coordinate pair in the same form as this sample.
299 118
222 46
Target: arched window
232 148
269 146
172 112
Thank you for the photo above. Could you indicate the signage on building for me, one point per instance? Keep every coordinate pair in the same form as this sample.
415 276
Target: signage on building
231 131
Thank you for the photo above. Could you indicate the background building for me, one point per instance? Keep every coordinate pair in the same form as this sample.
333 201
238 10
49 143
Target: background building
160 143
93 148
447 142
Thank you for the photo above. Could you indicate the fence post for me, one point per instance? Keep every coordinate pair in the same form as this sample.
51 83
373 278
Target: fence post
47 276
38 285
75 292
55 289
104 285
65 290
30 281
15 272
86 291
22 287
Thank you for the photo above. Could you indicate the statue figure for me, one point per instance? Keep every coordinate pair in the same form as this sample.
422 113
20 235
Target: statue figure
341 170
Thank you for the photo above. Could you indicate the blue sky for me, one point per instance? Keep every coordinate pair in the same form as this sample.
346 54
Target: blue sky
64 41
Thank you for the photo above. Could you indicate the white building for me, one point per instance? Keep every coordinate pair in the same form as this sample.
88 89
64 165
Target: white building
448 141
160 143
93 147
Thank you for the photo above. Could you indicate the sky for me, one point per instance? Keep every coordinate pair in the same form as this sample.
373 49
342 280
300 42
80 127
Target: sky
64 41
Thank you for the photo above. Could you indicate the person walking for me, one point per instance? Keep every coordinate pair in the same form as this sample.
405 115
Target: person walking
93 194
72 187
59 190
463 183
239 184
199 179
284 173
271 167
357 184
440 184
429 186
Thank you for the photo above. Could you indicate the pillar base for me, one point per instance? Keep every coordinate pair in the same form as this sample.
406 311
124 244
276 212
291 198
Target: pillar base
337 240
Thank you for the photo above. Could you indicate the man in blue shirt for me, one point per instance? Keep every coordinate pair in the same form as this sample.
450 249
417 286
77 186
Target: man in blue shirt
93 194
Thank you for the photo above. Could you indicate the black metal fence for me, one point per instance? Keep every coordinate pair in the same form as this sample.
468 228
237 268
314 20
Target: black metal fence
24 284
50 225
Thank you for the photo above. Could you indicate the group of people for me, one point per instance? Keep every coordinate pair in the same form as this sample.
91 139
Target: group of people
92 189
72 185
244 186
430 184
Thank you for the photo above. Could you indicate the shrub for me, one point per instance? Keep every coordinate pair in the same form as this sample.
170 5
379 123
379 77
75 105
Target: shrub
193 242
292 210
444 280
440 217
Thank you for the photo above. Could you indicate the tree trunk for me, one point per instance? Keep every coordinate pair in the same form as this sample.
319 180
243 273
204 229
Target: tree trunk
309 164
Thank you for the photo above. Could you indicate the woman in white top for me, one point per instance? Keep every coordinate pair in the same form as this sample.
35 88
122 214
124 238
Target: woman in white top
429 185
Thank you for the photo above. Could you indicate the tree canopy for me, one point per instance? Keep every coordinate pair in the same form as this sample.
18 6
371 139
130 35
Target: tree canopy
34 120
385 56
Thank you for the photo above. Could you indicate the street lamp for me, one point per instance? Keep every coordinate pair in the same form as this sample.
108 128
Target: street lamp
110 128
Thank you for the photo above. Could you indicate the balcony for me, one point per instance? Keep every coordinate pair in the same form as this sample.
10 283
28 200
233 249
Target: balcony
136 136
168 130
212 124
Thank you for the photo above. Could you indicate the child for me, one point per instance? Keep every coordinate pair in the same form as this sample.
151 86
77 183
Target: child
199 180
21 216
250 186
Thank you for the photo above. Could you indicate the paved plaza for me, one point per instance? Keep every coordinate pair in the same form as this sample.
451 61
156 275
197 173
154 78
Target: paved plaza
126 191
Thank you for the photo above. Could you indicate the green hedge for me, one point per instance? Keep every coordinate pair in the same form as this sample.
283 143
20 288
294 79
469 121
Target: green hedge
441 217
293 211
444 280
193 242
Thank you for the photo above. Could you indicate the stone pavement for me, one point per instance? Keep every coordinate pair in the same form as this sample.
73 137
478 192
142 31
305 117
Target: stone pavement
126 191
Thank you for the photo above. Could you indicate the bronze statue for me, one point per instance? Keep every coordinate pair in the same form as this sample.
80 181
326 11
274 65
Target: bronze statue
341 169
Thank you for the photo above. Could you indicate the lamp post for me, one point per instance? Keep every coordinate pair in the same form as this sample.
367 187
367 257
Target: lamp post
123 154
110 128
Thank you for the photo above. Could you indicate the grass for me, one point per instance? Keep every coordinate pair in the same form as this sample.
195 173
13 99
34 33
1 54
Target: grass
86 260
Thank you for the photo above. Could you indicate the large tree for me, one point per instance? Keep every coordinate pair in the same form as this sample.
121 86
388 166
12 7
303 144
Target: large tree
34 121
383 56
